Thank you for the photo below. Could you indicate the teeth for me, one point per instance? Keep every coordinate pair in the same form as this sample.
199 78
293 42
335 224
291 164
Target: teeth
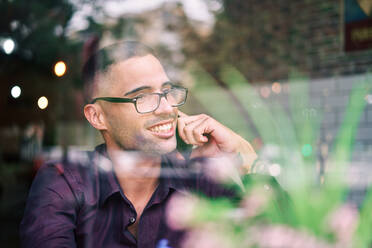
162 128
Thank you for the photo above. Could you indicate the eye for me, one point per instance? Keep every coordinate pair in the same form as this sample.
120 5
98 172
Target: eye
140 95
166 90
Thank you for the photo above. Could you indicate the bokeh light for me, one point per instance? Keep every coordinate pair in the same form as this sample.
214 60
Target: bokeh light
42 102
307 150
275 170
276 87
60 68
369 99
15 91
265 92
8 46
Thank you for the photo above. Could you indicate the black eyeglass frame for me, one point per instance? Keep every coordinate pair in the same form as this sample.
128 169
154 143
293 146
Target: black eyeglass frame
134 99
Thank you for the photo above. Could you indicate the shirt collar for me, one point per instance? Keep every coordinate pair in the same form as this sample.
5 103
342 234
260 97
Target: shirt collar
174 175
108 184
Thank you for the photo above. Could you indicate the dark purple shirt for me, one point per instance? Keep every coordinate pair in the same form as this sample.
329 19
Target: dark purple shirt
79 204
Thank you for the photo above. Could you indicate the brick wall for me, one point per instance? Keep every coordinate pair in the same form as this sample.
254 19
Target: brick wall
303 34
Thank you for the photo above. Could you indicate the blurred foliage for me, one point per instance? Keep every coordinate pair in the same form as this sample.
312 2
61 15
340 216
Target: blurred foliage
227 62
311 210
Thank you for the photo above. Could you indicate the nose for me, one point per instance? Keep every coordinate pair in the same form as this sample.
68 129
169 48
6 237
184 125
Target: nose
164 107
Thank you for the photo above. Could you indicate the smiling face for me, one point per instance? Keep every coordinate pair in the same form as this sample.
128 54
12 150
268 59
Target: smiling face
124 127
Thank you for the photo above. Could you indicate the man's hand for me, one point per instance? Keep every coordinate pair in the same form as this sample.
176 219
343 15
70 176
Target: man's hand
213 139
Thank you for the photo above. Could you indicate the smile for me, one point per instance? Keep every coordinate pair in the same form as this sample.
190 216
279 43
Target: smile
163 130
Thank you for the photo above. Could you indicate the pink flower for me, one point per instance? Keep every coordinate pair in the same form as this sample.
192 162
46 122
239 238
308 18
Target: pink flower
281 236
254 202
180 210
343 222
223 169
207 236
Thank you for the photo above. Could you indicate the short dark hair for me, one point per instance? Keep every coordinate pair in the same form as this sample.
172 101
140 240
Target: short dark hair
99 61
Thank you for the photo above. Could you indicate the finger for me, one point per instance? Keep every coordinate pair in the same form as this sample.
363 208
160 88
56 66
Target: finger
182 130
199 131
206 150
189 118
197 152
184 120
191 133
180 126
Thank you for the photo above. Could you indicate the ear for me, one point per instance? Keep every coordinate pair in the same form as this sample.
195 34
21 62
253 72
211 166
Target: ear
95 116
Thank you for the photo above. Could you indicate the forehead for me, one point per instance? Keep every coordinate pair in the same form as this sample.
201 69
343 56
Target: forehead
132 73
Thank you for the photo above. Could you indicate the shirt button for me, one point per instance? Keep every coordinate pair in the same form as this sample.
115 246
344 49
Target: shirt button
132 220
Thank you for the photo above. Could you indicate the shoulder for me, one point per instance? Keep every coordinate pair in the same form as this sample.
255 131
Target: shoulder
52 206
67 178
62 195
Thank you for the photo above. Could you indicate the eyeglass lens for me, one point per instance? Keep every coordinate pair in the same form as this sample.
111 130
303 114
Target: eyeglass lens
150 102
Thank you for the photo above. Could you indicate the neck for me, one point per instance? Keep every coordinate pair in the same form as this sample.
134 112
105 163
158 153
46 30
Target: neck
138 175
137 172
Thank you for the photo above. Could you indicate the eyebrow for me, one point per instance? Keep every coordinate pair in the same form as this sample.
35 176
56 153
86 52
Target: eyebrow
146 88
137 89
167 83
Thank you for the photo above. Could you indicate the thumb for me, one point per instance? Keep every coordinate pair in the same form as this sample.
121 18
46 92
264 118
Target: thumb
207 150
197 152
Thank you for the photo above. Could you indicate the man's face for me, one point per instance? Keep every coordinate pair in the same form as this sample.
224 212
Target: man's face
126 128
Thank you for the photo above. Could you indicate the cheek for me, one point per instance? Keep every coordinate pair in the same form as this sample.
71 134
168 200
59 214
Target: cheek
124 120
130 121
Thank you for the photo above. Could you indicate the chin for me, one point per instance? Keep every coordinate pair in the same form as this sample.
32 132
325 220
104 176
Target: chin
159 146
165 147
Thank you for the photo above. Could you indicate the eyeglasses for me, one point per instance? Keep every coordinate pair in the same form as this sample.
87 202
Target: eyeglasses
146 103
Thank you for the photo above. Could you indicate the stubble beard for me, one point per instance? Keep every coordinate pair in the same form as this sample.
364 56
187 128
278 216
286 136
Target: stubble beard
143 144
155 147
143 141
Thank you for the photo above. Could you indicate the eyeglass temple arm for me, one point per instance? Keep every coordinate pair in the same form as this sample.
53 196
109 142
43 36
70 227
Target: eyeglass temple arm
113 99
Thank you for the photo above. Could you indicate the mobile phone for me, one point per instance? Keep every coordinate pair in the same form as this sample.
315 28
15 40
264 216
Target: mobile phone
182 147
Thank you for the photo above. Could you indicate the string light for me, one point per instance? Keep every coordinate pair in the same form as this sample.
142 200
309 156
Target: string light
42 102
8 46
60 68
15 91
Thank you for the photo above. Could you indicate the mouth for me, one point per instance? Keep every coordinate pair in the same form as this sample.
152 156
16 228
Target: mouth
165 129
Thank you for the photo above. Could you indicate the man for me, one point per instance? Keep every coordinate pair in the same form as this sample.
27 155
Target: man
118 197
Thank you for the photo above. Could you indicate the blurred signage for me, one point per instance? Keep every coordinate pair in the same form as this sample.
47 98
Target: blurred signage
358 25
